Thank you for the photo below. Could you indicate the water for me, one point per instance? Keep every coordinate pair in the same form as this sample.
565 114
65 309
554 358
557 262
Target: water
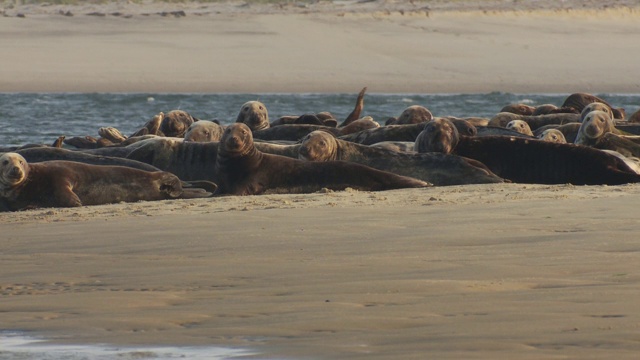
42 117
14 345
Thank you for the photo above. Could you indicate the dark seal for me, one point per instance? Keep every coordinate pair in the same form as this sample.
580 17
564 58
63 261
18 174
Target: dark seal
241 169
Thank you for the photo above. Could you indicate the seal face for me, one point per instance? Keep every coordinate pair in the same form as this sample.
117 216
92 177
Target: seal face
552 135
439 135
204 131
595 125
254 114
318 146
13 170
520 126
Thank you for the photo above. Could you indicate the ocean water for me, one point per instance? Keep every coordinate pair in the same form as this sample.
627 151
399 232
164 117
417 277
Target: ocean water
42 117
16 345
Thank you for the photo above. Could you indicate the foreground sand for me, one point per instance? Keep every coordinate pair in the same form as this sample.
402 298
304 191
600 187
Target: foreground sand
488 271
509 271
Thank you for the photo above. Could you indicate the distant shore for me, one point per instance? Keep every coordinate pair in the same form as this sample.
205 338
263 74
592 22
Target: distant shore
325 46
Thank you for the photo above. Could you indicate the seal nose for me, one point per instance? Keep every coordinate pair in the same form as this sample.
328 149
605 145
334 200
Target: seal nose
16 172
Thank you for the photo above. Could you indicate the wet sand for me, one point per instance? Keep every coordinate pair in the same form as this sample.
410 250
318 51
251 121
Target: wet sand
476 272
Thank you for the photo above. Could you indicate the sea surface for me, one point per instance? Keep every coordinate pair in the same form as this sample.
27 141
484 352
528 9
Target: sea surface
42 117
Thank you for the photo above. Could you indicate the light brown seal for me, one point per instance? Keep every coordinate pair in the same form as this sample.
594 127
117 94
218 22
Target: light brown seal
552 135
520 126
69 184
203 131
254 114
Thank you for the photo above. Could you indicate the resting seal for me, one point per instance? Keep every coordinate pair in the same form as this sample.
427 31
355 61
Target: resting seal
596 106
594 125
70 184
413 114
438 135
541 162
204 130
520 126
386 133
502 119
552 135
241 169
438 169
579 100
254 114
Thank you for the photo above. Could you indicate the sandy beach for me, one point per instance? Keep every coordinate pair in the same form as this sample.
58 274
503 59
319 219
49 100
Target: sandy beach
465 272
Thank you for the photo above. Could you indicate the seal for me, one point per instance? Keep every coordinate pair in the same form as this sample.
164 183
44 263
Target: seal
399 146
254 114
502 119
70 184
293 132
552 135
386 133
540 162
594 126
596 106
439 135
364 123
520 109
438 169
569 130
413 114
40 154
192 161
241 169
578 101
520 126
204 130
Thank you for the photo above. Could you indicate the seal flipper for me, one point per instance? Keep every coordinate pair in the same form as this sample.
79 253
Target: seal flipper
67 198
202 184
355 114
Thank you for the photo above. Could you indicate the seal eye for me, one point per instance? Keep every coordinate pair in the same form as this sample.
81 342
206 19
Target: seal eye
260 107
246 108
6 162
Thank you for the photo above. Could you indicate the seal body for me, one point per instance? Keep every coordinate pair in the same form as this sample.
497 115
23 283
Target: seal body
241 169
438 169
68 184
541 162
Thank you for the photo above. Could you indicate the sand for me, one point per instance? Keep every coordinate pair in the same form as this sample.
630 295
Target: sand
477 272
